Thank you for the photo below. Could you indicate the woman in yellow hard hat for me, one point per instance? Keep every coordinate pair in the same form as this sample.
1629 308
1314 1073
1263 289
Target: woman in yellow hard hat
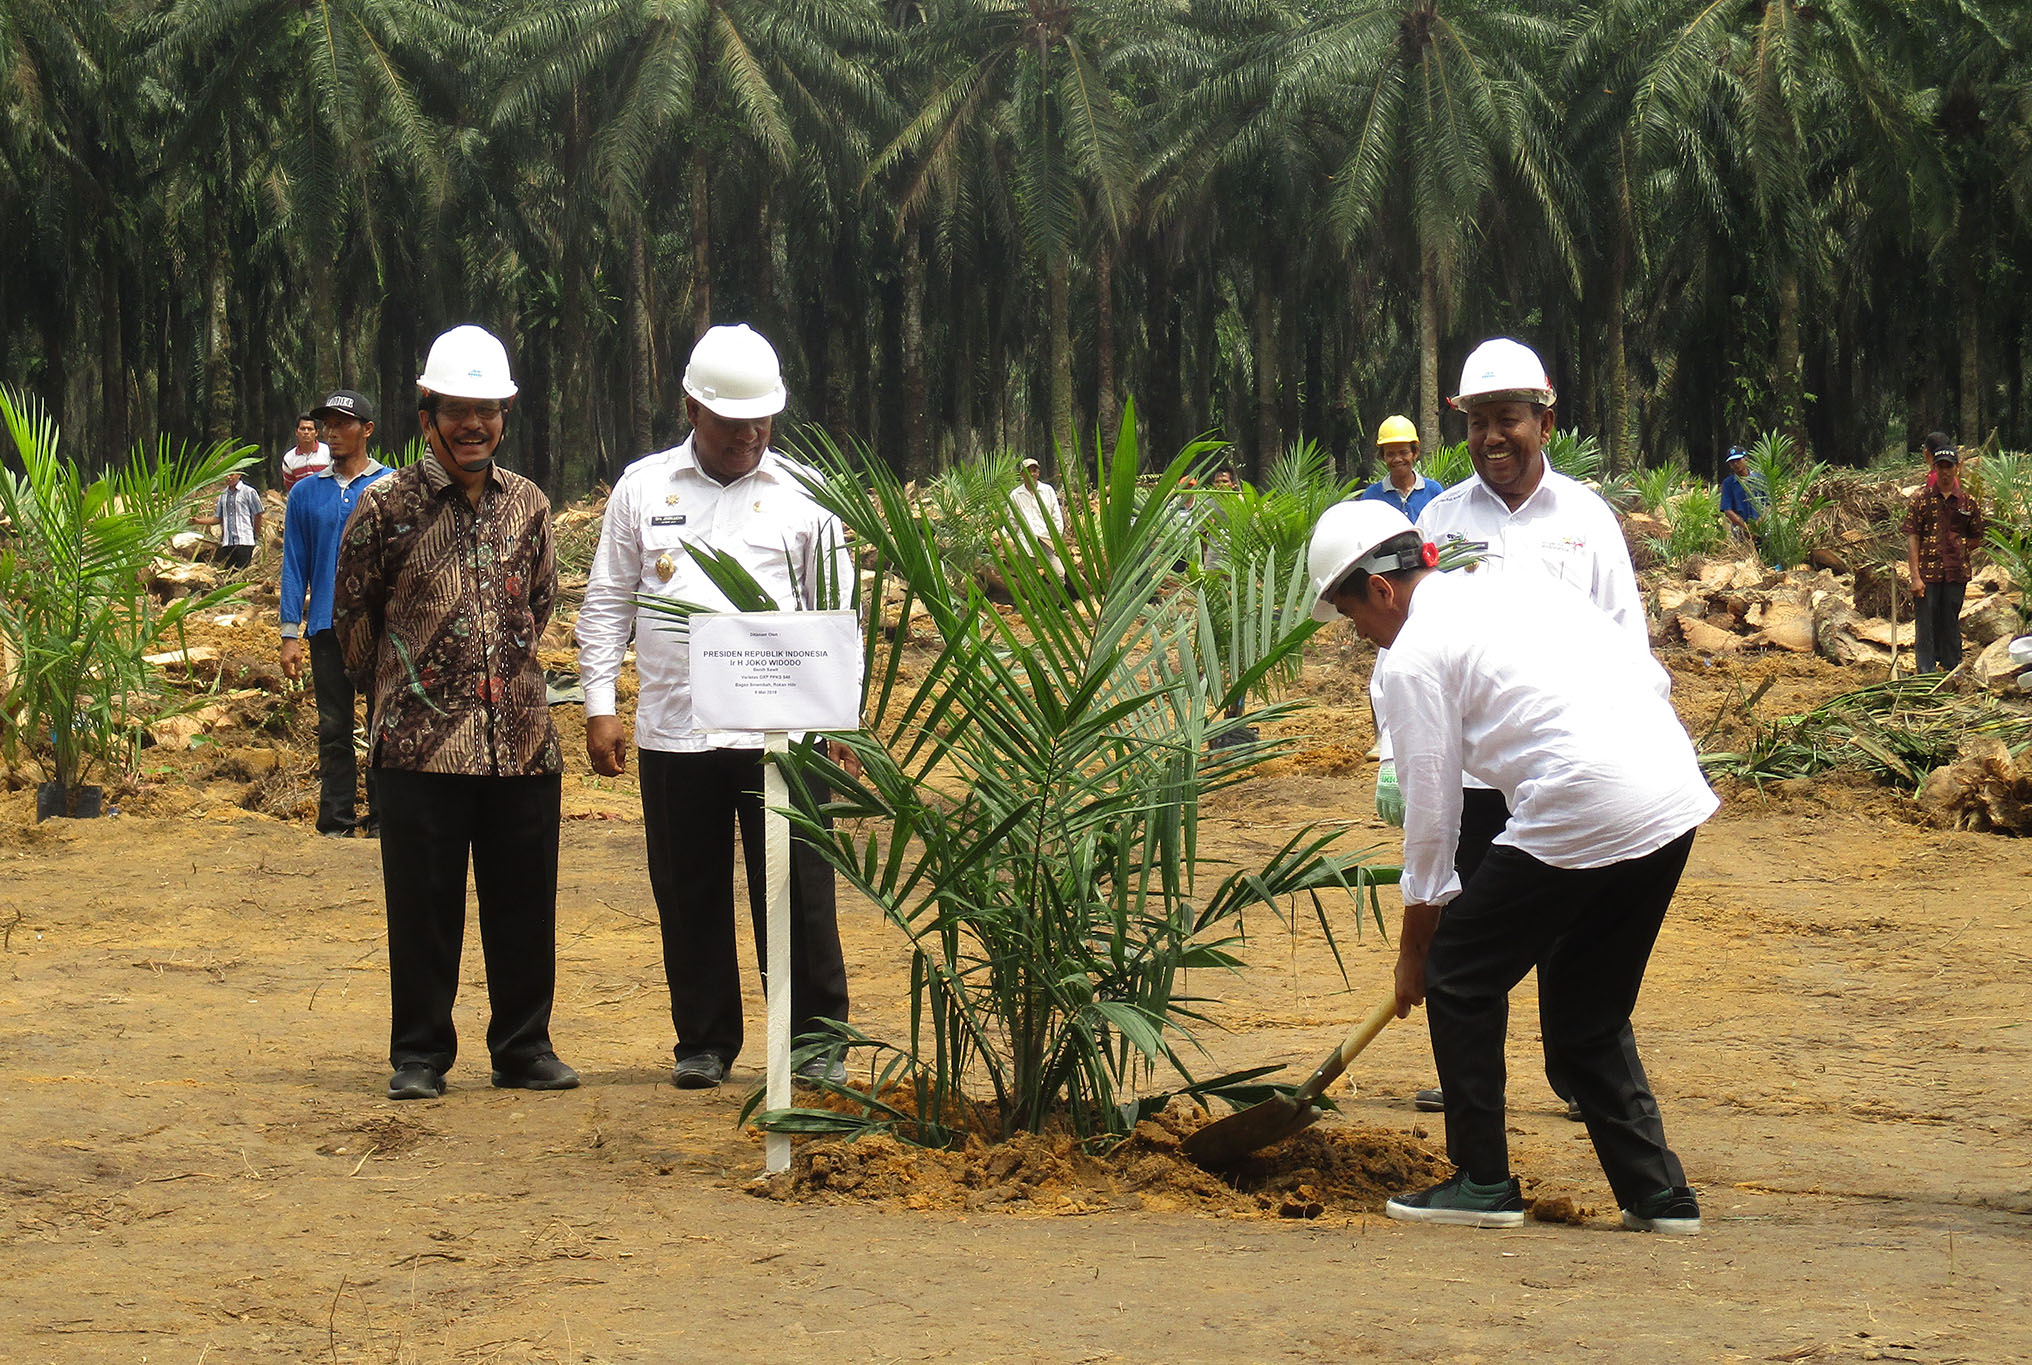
1405 488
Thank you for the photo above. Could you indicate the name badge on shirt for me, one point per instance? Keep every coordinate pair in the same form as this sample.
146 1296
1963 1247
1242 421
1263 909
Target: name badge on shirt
668 519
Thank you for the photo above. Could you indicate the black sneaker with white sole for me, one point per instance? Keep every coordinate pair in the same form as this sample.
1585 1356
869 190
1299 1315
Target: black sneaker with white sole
1462 1202
1673 1211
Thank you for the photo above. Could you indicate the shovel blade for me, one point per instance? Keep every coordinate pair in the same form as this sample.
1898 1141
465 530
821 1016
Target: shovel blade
1228 1142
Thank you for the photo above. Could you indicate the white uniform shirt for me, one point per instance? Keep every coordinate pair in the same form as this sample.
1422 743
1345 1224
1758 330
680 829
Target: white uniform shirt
1562 531
764 519
1528 687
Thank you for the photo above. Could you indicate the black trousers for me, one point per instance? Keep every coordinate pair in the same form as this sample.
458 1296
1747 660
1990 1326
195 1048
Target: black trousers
338 771
1936 620
432 823
1590 933
690 805
236 556
1483 815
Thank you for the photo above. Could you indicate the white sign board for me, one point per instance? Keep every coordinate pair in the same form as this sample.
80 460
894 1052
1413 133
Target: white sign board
776 670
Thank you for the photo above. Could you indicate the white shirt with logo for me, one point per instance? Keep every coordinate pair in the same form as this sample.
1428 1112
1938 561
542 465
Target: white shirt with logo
662 503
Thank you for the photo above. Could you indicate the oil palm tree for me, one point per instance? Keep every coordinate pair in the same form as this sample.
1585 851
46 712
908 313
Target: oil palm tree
1021 87
1432 120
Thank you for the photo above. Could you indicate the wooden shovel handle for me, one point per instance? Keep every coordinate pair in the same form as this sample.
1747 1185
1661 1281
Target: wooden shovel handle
1337 1061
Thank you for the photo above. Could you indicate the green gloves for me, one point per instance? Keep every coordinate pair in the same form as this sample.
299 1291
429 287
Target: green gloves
1389 800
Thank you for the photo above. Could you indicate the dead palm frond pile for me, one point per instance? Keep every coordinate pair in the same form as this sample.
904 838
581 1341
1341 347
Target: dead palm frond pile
1896 731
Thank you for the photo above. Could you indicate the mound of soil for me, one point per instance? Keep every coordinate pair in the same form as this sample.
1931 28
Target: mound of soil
1330 1169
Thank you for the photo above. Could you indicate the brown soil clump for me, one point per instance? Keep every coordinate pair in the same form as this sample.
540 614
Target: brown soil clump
1333 1169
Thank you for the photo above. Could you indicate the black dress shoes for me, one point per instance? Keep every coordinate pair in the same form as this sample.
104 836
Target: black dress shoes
415 1081
538 1073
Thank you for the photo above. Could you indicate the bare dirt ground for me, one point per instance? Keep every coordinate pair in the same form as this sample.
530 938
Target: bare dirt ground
202 1168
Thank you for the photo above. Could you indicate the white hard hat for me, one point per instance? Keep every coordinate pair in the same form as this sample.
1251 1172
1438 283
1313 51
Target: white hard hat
1503 371
735 374
1343 540
467 362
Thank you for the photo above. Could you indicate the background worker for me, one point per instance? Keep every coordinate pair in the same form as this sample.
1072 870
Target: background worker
1943 528
1402 486
313 520
446 579
1533 690
237 514
724 489
306 457
1522 517
1741 509
1038 511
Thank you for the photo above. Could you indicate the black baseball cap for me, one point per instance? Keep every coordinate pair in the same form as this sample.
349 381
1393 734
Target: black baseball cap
345 403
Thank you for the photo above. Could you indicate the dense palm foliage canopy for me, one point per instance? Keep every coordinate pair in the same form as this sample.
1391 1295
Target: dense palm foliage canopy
980 224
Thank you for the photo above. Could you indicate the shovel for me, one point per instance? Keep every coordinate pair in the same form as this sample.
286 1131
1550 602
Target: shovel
1228 1141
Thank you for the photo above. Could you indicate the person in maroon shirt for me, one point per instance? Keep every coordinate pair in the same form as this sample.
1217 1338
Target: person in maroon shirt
1943 527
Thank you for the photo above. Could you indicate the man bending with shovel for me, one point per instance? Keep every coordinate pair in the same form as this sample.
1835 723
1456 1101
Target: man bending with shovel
1529 687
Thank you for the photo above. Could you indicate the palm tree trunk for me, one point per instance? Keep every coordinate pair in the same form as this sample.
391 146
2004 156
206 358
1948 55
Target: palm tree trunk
1107 401
701 246
916 435
1786 382
1264 343
1623 454
641 344
1059 290
1428 349
1968 324
218 326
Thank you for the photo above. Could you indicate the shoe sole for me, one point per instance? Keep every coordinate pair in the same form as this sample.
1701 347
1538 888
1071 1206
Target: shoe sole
414 1092
1465 1218
1429 1106
693 1080
1671 1227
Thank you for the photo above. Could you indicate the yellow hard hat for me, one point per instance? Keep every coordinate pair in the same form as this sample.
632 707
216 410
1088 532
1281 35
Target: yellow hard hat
1396 431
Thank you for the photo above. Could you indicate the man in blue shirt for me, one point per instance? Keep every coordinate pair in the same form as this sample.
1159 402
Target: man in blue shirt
1404 488
313 520
1740 509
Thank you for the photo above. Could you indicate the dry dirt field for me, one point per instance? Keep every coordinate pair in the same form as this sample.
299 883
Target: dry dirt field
201 1168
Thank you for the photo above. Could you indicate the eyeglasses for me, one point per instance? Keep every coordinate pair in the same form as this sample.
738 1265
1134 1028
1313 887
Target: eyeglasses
465 412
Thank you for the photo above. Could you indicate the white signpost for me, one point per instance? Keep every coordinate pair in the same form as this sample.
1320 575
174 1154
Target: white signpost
775 672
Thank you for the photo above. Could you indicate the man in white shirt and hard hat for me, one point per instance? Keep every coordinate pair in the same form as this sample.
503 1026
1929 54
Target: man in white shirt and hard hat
1528 687
1520 516
725 489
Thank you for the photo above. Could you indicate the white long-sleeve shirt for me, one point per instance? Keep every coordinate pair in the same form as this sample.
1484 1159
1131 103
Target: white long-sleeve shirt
1527 686
764 519
1563 531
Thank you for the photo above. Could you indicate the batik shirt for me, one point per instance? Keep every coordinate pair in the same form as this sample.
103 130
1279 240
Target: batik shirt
1948 529
439 606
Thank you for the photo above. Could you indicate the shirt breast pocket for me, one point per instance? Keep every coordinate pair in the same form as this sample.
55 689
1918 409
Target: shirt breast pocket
768 552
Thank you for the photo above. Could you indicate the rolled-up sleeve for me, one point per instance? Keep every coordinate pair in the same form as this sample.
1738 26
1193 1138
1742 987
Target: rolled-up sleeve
607 619
1425 728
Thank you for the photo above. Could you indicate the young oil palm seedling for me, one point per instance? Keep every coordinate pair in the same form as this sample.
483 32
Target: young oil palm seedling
1027 812
1792 497
75 614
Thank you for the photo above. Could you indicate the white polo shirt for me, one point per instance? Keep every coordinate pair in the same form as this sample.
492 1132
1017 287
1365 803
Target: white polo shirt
1527 686
764 519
